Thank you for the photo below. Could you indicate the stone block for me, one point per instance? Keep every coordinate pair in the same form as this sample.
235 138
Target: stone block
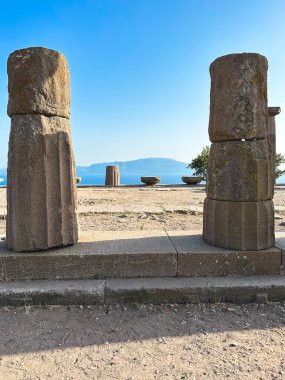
240 171
80 292
38 82
239 225
198 258
41 184
158 290
244 289
237 289
238 105
101 254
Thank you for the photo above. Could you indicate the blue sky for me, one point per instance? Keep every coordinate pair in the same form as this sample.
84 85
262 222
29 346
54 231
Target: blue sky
140 68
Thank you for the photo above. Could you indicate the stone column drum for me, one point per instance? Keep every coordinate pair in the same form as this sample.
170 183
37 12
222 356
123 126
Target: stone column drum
112 176
271 135
41 183
238 210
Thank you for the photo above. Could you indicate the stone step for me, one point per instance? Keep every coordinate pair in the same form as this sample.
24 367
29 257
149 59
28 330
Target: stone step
135 254
236 289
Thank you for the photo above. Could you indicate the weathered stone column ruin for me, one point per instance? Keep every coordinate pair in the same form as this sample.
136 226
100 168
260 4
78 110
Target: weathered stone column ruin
41 183
271 135
238 210
112 176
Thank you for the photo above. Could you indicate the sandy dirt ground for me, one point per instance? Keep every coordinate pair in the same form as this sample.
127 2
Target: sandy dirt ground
143 342
149 208
145 208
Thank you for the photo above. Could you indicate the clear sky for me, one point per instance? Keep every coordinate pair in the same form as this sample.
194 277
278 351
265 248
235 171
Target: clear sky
140 68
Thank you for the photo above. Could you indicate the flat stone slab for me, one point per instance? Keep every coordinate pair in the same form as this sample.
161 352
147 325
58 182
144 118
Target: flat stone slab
237 289
101 254
198 258
163 290
76 292
243 289
136 254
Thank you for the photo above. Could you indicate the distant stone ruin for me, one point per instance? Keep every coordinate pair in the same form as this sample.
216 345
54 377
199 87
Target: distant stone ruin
41 183
112 176
238 210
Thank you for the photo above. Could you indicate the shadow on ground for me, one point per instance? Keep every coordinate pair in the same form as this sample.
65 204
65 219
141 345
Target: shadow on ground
34 329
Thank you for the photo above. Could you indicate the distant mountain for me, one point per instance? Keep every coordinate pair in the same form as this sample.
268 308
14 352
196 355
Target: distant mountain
144 166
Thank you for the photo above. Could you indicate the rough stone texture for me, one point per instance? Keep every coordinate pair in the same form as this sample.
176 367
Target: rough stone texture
243 289
112 176
240 171
41 184
239 225
230 263
102 254
38 82
18 293
236 289
198 258
157 290
238 105
271 137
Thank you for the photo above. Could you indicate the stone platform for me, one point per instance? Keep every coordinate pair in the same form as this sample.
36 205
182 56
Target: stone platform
144 266
131 254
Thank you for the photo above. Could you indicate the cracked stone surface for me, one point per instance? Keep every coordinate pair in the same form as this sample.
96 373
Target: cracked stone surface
238 106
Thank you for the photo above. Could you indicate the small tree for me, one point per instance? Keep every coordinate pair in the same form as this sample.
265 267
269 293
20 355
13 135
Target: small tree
280 159
200 163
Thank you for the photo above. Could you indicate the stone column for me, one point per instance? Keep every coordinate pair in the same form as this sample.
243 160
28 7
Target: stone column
41 183
271 135
112 176
238 210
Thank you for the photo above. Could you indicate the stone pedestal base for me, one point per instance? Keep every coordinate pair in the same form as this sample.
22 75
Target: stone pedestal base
239 225
112 176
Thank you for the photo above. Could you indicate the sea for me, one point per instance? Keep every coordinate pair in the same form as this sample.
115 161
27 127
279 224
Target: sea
127 179
132 179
